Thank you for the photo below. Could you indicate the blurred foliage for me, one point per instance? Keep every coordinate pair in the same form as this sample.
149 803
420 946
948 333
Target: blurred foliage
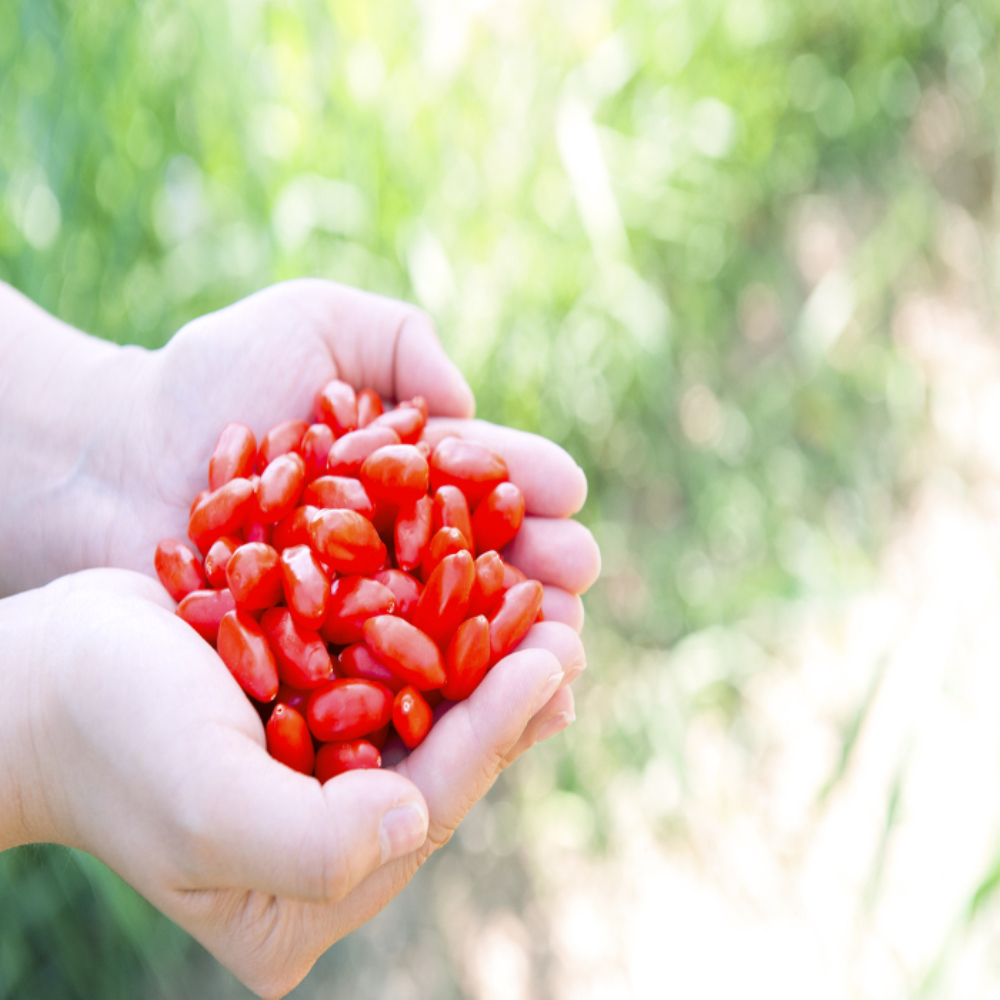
668 234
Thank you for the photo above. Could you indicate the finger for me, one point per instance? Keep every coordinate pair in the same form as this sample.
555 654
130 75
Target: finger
562 642
387 345
558 713
552 483
560 605
463 754
555 551
260 825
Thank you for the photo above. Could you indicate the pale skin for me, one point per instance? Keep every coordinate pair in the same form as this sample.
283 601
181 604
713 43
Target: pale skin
129 738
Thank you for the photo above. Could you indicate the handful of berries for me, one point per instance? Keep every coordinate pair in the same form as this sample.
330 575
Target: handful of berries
351 579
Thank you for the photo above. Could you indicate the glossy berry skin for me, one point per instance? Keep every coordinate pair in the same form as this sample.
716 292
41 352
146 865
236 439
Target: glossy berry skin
405 588
178 568
445 542
467 658
407 421
337 406
488 588
217 559
305 585
280 487
352 449
221 513
289 740
412 717
293 529
339 493
514 615
203 610
369 407
234 456
413 530
347 541
445 599
301 655
353 600
498 518
279 440
254 576
316 444
359 661
346 708
474 469
396 474
346 755
409 653
245 651
451 510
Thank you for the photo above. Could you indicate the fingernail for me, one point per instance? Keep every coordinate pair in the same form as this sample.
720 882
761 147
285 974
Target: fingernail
548 689
574 670
402 831
554 725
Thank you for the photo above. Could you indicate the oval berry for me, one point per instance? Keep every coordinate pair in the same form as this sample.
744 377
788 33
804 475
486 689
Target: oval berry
289 740
279 440
396 474
244 650
346 755
445 599
234 455
337 407
217 559
445 542
451 510
305 584
514 615
498 518
221 513
488 588
316 444
410 654
359 661
346 708
254 576
178 568
347 541
467 658
280 487
203 610
412 717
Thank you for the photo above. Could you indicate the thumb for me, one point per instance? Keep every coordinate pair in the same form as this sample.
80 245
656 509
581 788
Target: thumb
274 830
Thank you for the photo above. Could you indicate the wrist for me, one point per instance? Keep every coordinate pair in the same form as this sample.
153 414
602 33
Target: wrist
68 395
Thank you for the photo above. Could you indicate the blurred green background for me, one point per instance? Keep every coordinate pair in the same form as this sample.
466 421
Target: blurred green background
669 234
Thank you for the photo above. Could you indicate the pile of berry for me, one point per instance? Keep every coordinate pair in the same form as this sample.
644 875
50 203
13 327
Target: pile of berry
339 583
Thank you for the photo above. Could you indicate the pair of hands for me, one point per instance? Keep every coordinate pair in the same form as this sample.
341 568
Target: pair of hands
137 745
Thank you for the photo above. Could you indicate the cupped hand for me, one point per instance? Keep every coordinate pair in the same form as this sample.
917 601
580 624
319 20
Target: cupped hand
262 361
145 752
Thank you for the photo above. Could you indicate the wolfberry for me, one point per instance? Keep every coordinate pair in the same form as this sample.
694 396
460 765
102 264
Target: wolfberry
305 584
411 717
254 576
467 658
498 518
470 466
245 651
288 739
347 755
279 440
301 655
234 455
178 568
337 407
409 653
353 600
346 708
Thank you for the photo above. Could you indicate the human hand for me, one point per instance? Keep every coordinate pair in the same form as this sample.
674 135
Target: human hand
134 743
261 361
